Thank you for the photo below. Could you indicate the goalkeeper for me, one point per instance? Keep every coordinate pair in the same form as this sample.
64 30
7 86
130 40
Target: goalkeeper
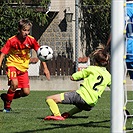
96 79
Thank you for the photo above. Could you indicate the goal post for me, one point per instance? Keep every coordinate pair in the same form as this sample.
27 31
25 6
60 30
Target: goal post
117 65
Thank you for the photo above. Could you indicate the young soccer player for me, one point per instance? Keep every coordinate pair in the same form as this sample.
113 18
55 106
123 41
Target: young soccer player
18 50
96 79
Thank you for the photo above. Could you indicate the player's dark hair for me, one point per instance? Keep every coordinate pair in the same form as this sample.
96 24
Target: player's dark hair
24 22
101 58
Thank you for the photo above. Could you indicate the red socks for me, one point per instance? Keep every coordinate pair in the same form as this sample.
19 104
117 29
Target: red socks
9 97
17 94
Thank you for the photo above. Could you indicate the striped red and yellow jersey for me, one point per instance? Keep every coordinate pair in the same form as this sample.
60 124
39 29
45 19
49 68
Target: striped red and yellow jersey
19 52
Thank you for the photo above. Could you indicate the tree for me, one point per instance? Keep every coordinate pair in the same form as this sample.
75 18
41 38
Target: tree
12 12
96 23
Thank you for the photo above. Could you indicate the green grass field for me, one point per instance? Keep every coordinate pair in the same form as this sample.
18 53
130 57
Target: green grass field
28 114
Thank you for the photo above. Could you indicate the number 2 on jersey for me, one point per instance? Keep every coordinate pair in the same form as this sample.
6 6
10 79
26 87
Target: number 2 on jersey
100 80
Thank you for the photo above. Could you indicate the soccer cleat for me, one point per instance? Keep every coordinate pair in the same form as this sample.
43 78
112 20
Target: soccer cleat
3 98
57 118
65 115
7 110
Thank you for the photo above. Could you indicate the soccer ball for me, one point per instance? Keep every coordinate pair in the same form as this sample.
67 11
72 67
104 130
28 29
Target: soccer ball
44 53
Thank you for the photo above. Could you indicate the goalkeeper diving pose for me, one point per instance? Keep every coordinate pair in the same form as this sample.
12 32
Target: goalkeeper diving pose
95 79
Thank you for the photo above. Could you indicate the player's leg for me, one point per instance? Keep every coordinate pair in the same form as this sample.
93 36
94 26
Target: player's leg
13 82
64 98
11 90
52 102
71 98
23 83
22 93
70 113
18 79
76 99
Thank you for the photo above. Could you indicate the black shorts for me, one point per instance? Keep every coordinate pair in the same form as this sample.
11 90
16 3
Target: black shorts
75 99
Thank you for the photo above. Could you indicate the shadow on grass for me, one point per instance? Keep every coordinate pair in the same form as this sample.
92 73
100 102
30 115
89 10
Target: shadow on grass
89 124
57 126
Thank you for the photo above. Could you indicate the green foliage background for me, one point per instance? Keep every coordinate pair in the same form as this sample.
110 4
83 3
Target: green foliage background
96 22
10 14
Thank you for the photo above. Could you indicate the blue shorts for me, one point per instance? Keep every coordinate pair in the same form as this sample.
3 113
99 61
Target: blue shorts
130 66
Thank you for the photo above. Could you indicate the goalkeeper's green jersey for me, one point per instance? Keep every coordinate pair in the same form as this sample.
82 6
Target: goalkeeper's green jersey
96 79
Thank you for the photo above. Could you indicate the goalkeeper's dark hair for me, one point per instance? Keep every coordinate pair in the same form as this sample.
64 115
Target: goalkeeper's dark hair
101 58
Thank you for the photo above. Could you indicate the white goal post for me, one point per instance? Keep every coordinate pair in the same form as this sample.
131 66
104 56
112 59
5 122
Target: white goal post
117 65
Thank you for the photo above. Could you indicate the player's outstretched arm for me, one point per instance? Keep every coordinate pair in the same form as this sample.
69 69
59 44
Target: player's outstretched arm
46 71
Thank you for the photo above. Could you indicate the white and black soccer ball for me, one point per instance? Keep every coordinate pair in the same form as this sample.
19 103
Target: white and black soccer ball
45 53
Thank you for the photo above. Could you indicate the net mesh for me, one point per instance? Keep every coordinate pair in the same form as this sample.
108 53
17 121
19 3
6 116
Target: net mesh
128 52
